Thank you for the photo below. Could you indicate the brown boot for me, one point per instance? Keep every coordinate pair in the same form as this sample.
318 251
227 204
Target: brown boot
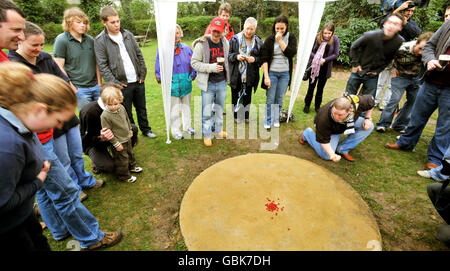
109 240
300 138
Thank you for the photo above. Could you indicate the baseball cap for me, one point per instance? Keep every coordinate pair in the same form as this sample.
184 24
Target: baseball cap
217 24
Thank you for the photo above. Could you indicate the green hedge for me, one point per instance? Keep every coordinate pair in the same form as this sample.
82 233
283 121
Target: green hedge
52 30
193 27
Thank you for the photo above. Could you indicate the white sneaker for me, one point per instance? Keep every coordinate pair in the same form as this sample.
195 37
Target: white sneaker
424 173
136 170
266 126
150 134
130 180
178 136
190 131
381 129
276 124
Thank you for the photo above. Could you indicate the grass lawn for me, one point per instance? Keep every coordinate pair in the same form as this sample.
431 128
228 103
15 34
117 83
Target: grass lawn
147 211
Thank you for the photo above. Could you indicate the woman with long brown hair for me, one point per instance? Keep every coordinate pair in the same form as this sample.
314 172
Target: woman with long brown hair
325 50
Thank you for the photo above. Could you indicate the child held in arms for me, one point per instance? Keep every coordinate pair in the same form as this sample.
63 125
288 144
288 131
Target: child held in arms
115 118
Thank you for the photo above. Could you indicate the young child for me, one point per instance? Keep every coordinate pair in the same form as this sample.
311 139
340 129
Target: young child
115 118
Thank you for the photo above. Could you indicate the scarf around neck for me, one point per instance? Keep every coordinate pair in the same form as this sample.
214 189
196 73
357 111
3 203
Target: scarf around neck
244 50
315 65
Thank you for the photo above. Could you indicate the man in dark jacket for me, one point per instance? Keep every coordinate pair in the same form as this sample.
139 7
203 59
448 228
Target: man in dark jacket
95 140
433 94
349 115
372 53
120 61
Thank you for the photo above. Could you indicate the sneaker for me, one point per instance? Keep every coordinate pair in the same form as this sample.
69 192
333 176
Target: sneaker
132 179
381 129
109 240
190 131
136 170
424 173
83 196
266 126
99 183
381 107
150 134
178 136
67 235
276 124
221 134
207 142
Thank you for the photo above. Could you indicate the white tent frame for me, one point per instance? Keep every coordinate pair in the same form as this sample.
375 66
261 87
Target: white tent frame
166 16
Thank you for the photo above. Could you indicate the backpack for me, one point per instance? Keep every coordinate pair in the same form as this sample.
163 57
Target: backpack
390 5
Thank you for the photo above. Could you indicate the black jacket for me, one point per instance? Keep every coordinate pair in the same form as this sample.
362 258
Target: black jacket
373 53
289 52
252 69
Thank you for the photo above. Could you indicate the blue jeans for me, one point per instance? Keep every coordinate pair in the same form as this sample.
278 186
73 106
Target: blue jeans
87 95
60 205
436 172
279 82
69 150
399 85
348 144
429 98
215 94
369 84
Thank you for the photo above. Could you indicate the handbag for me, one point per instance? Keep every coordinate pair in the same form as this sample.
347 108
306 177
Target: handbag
307 73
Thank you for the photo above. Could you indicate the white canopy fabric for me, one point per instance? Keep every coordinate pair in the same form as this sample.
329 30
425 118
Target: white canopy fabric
309 16
166 19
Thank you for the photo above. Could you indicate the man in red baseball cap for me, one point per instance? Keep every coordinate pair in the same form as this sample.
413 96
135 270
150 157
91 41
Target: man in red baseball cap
210 60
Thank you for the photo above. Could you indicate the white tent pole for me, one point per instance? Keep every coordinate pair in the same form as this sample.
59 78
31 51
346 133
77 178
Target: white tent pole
309 17
165 19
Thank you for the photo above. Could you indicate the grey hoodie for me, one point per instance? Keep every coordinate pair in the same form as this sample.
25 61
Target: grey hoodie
200 61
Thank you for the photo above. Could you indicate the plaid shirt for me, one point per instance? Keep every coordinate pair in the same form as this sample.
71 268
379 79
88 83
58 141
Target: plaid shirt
406 62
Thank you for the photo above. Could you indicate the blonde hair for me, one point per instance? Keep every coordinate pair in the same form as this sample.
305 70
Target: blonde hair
110 94
71 14
342 103
20 87
179 28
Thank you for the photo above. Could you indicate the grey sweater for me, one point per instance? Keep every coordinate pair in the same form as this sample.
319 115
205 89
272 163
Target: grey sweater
200 61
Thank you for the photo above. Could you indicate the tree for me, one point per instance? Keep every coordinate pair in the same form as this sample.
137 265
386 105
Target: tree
56 12
33 10
92 8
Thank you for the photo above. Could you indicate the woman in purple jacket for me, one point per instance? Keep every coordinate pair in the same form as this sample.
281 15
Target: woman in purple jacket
325 50
182 76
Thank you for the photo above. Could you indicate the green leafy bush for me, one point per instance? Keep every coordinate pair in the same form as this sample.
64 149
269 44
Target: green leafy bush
51 31
193 27
265 27
347 36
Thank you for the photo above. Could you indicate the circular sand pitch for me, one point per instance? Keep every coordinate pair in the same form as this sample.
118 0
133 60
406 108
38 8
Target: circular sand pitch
274 202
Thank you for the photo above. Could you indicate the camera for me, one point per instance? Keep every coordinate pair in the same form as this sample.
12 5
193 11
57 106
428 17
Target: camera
419 3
